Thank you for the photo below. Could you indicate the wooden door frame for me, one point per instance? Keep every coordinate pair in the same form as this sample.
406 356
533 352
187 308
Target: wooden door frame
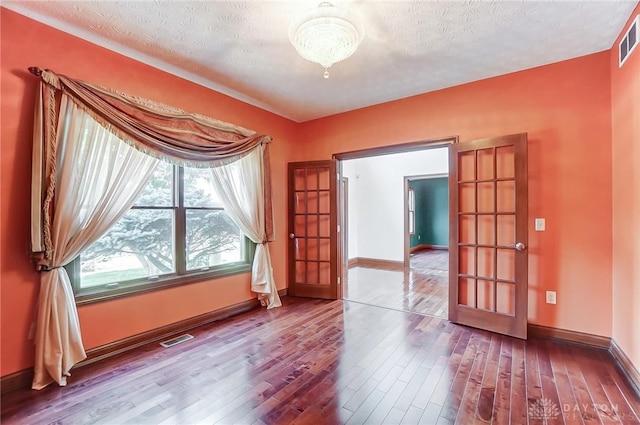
407 237
441 142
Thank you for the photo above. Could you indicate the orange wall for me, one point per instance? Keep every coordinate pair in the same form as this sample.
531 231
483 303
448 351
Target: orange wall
625 117
566 110
26 43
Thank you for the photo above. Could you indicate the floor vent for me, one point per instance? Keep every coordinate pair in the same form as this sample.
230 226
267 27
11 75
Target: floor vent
629 41
177 340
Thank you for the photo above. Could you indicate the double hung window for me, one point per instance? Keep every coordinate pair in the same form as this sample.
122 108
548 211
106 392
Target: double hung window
176 232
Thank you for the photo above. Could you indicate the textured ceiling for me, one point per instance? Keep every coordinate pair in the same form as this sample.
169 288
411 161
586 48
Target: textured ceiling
241 48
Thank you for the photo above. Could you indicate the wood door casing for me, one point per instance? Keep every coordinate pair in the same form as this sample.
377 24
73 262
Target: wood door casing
488 217
313 222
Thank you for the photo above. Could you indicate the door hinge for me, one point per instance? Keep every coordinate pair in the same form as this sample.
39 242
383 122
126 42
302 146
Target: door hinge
338 228
338 280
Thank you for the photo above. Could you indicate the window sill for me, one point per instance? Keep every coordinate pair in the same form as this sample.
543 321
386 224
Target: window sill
90 295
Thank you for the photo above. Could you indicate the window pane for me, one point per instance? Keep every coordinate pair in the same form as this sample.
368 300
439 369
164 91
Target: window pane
159 189
198 191
212 239
139 245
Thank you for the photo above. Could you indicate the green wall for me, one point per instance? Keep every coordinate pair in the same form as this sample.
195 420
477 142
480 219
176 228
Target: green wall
432 211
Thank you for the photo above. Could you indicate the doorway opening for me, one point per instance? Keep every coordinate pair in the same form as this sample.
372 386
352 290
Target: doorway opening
379 229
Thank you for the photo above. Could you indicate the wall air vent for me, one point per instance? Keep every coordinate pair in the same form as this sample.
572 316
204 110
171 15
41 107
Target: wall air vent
177 340
629 41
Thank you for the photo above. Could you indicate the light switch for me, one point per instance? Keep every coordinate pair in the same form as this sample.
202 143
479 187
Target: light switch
539 224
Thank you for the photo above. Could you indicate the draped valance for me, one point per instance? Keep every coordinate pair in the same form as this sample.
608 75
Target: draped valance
161 131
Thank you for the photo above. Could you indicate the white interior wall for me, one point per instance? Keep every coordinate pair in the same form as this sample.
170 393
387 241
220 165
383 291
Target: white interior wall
376 199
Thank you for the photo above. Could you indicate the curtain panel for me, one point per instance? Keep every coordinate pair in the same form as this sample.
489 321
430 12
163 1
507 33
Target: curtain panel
60 232
240 186
98 178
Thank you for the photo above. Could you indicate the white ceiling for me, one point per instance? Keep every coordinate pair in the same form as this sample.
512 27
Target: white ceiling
241 48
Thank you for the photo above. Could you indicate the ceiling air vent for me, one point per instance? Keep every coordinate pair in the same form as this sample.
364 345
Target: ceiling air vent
629 41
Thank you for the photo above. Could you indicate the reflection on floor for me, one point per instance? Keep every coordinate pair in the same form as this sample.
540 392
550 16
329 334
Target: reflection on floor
424 290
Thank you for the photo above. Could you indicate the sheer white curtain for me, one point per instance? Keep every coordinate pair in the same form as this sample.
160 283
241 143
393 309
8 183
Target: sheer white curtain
99 177
241 187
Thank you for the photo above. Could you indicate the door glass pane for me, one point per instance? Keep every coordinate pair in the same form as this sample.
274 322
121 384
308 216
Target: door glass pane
324 202
467 292
506 264
300 271
325 178
485 197
325 225
312 273
505 166
300 202
299 179
506 229
467 197
485 295
485 229
506 298
486 262
466 260
485 164
467 230
300 248
466 166
312 202
325 249
325 273
506 196
300 228
312 225
312 251
312 178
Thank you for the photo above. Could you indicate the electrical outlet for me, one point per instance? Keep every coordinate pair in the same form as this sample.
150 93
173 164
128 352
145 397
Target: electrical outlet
551 297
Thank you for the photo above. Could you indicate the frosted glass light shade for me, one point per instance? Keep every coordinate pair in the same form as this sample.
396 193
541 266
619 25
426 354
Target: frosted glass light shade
326 35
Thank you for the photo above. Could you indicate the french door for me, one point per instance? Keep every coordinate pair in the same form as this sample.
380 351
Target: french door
488 234
313 224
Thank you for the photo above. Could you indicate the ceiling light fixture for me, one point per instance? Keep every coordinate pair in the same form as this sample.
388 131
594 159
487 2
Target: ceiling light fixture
326 35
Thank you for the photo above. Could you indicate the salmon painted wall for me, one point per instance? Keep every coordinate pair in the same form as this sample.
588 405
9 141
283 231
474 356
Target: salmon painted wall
26 43
566 110
625 117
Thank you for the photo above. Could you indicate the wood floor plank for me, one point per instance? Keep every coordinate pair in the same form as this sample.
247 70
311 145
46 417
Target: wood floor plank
549 389
502 400
560 376
336 362
519 403
484 409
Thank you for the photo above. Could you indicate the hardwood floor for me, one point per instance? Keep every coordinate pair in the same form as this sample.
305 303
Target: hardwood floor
424 290
338 362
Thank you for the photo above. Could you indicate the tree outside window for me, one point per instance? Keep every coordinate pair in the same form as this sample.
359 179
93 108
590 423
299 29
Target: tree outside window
177 227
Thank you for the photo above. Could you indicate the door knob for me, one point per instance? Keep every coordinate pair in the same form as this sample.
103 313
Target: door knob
292 236
520 246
